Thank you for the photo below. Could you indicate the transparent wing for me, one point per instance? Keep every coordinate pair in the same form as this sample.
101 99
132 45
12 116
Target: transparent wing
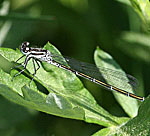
116 78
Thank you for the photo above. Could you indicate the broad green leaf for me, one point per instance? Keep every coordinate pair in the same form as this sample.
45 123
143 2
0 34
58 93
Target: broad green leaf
67 96
37 100
140 125
104 60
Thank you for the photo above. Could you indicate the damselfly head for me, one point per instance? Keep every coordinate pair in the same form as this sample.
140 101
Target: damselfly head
24 48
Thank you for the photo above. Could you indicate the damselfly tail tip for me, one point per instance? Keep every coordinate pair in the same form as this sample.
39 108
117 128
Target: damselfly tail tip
143 99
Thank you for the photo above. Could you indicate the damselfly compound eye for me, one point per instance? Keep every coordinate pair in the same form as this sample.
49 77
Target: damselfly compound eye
24 47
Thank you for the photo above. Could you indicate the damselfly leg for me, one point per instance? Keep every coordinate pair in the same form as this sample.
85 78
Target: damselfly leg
35 68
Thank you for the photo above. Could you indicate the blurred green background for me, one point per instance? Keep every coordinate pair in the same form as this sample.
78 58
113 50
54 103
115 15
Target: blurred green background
76 28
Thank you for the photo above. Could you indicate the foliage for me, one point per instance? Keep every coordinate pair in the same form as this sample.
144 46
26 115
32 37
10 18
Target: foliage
70 99
120 27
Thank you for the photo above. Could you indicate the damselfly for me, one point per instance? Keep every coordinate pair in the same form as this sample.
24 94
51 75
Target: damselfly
82 69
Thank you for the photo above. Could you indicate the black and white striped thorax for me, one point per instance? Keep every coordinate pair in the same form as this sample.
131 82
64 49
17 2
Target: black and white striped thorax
37 53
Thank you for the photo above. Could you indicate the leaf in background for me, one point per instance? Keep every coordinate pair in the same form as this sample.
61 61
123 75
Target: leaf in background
142 8
125 2
79 6
135 44
5 27
67 96
102 59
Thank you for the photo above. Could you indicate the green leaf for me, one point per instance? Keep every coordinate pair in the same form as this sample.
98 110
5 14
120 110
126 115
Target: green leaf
102 59
36 100
140 44
127 2
67 96
105 132
142 8
140 125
